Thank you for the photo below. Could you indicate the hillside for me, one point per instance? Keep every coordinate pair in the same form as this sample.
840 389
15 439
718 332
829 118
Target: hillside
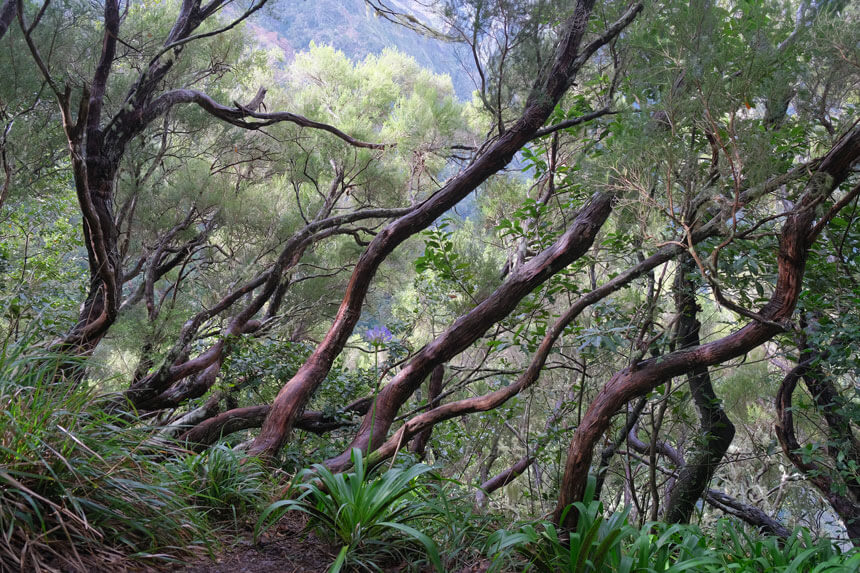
353 28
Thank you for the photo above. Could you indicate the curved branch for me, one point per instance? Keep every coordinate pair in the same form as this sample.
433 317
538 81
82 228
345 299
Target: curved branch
205 13
629 383
239 115
549 89
502 479
573 244
213 429
819 475
160 389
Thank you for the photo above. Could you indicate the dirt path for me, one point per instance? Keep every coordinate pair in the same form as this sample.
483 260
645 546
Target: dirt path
285 548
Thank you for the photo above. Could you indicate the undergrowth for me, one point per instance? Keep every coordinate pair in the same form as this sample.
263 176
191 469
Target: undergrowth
83 489
610 544
371 520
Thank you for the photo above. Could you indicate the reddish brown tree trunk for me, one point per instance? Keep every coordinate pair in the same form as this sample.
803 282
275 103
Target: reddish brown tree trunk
797 236
502 479
468 328
548 90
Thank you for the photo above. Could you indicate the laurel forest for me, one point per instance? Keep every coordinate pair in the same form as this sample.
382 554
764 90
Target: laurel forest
275 299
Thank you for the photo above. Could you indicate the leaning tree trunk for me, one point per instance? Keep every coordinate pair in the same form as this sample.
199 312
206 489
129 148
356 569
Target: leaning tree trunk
548 90
717 431
574 243
819 474
798 234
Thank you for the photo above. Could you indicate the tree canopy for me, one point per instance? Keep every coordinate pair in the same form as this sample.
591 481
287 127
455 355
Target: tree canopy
625 270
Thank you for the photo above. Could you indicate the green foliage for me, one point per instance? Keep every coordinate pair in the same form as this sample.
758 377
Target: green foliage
595 545
611 544
76 482
368 517
42 263
440 256
257 368
460 530
224 482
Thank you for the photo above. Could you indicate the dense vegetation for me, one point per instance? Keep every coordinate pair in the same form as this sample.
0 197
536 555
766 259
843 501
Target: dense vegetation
601 316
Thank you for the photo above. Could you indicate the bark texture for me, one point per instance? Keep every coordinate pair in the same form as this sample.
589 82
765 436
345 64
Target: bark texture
502 479
208 432
797 235
468 328
97 143
552 84
717 431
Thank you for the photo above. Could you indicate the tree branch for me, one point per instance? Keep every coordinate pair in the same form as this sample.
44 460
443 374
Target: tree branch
239 115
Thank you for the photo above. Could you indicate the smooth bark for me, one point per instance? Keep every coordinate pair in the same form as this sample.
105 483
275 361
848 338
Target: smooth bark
502 479
574 243
552 84
798 234
208 432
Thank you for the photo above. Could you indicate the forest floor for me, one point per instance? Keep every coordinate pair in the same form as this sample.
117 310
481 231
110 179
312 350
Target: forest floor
286 548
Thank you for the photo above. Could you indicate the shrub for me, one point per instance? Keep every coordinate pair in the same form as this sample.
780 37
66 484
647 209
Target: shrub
224 483
77 484
371 519
611 544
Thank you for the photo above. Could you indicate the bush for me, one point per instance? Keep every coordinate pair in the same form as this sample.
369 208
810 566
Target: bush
612 545
370 519
224 483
